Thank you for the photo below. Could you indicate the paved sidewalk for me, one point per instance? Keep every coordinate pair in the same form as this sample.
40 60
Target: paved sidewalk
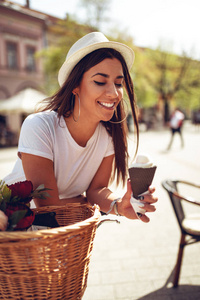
133 260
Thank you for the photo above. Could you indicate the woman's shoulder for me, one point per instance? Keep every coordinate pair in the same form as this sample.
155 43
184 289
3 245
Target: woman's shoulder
39 118
46 121
44 115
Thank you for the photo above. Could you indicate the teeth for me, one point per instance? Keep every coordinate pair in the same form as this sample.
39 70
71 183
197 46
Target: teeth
109 105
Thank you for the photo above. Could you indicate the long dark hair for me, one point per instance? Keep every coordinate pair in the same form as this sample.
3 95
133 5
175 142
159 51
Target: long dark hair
62 102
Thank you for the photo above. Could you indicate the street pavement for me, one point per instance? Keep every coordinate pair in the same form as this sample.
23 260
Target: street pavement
135 260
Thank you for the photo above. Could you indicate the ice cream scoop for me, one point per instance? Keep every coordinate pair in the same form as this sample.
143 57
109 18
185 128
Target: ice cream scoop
142 161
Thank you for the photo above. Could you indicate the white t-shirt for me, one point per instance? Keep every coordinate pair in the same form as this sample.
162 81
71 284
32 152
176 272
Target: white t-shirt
176 119
74 166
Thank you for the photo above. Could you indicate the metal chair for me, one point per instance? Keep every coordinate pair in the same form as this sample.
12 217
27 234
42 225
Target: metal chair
189 223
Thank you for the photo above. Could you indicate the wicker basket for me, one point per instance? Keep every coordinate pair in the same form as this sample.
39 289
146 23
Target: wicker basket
51 263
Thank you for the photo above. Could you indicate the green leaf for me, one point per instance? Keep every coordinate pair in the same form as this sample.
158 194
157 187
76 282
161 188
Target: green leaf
17 216
3 206
5 192
43 195
15 199
40 192
2 183
40 187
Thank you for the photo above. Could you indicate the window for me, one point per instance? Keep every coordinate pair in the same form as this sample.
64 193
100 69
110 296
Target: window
12 55
30 63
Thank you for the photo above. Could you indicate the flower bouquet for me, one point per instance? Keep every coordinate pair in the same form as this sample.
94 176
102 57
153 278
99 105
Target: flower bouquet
15 212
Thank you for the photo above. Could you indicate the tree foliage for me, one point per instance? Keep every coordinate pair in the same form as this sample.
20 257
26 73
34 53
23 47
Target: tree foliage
157 75
95 11
172 78
63 35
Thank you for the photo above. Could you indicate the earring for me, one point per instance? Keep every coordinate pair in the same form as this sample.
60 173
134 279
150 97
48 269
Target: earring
121 121
79 109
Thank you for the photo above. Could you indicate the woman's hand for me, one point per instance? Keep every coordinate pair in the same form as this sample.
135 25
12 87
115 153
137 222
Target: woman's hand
125 208
3 221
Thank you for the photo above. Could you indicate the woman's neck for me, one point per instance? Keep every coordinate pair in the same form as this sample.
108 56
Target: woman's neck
81 131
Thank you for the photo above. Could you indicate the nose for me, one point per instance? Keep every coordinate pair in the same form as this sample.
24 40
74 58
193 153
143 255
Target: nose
111 91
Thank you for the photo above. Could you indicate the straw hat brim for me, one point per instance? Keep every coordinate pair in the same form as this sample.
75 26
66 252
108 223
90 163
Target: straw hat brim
71 62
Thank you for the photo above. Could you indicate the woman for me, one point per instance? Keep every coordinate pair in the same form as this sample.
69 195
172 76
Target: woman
78 143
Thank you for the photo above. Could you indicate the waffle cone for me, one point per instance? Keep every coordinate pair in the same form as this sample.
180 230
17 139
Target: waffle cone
141 179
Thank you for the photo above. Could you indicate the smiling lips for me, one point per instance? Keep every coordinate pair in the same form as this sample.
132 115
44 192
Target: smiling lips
109 105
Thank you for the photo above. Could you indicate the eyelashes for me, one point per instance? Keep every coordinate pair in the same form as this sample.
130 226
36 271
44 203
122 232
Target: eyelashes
103 83
99 83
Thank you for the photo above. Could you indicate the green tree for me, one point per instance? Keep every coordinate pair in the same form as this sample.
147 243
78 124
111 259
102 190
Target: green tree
95 11
173 78
145 94
63 35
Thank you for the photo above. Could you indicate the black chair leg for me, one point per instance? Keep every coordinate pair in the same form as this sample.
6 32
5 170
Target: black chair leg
179 260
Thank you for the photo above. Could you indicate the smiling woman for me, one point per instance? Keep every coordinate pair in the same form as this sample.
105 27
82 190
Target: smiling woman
77 144
100 93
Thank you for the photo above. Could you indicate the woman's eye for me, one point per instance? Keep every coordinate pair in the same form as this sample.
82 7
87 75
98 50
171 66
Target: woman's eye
99 83
119 84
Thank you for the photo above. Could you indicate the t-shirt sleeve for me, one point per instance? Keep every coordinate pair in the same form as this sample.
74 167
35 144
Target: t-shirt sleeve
36 137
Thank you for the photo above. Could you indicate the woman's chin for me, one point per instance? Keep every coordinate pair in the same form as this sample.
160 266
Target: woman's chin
107 118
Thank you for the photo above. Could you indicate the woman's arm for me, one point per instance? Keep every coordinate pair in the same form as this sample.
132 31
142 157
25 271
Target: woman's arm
99 193
39 171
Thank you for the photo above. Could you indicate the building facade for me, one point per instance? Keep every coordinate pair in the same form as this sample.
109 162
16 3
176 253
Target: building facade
23 32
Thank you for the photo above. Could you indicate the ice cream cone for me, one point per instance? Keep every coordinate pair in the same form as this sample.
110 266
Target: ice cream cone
141 179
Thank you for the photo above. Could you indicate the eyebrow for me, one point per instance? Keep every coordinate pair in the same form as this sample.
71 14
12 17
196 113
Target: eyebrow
106 75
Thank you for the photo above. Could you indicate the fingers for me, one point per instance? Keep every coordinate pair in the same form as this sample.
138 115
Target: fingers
129 189
143 218
148 196
147 199
151 189
148 207
126 209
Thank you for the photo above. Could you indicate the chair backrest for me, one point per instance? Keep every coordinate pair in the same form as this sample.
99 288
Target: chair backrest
171 186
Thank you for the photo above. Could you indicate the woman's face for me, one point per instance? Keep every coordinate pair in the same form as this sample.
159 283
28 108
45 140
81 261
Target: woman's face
101 90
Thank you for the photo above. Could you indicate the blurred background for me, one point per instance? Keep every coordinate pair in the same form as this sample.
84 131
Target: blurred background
36 35
130 261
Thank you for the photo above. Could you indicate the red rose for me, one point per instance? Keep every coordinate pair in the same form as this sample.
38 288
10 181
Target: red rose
11 208
21 189
27 221
21 223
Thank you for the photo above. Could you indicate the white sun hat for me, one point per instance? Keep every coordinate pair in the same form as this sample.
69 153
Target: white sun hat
87 44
